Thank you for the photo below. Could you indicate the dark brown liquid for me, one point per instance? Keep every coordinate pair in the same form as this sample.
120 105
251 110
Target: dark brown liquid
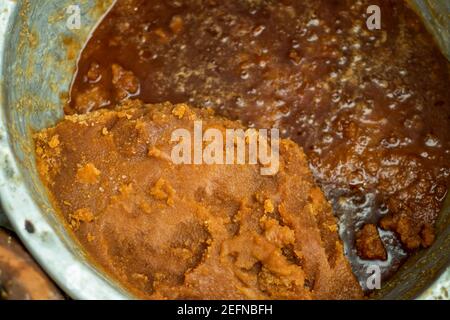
370 108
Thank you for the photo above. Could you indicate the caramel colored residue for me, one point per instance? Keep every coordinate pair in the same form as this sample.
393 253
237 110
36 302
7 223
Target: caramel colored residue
176 24
53 143
369 244
179 111
79 216
88 174
90 237
163 191
268 206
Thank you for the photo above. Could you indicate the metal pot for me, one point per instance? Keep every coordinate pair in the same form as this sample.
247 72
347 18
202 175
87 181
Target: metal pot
38 53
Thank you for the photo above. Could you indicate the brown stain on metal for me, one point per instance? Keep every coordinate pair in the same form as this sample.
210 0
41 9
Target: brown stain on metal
72 46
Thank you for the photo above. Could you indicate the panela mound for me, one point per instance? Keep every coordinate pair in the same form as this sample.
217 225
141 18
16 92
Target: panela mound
191 231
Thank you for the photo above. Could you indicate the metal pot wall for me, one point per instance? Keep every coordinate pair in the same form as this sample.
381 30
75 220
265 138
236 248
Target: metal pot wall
38 53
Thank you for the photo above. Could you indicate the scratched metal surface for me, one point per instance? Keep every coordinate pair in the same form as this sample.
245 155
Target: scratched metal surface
37 60
35 68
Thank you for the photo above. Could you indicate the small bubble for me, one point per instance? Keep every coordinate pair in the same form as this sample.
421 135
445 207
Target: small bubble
313 38
245 75
431 141
280 103
258 30
390 143
327 139
313 23
240 102
342 60
335 97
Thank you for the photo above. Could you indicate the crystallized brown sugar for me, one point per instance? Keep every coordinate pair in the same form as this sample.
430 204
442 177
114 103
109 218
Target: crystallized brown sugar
191 231
369 244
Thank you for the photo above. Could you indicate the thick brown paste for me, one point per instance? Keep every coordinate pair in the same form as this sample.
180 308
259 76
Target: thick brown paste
191 231
370 108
